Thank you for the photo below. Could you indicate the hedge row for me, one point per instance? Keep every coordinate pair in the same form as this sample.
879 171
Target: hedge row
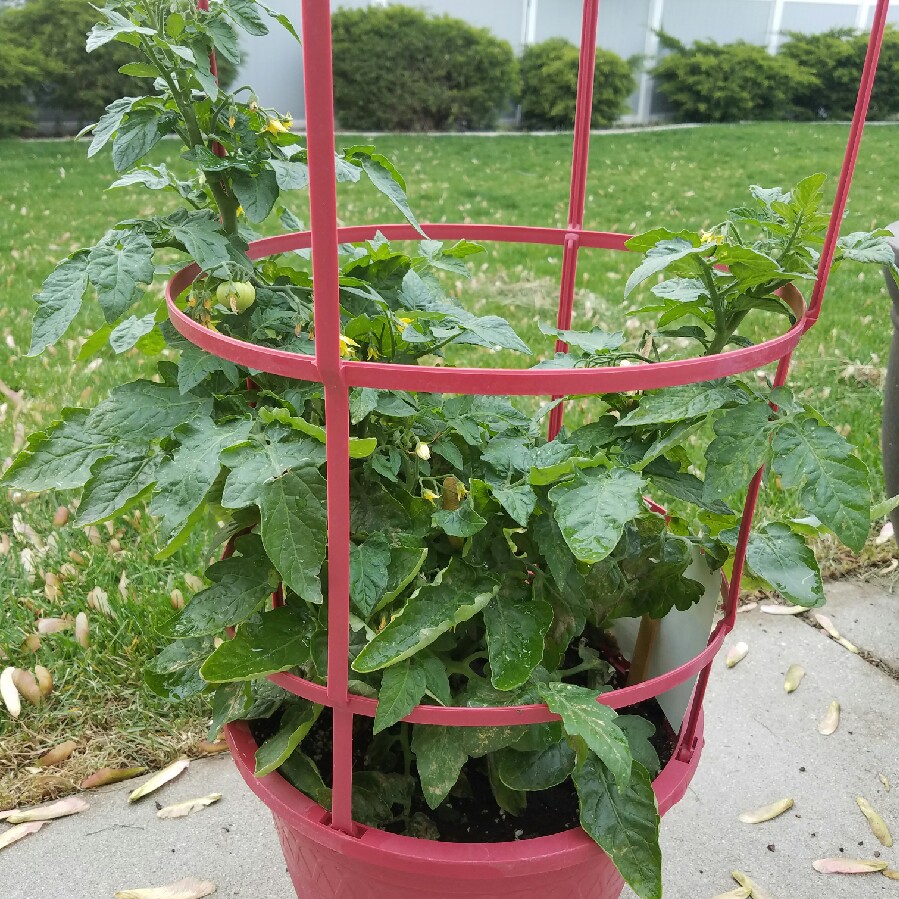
812 76
397 69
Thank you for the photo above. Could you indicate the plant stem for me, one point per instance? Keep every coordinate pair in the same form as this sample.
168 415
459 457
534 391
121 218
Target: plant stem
722 338
227 205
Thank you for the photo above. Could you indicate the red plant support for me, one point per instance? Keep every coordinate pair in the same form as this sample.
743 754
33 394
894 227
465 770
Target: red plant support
338 375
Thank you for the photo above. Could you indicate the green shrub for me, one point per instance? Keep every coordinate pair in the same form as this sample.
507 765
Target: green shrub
835 58
18 72
49 35
397 69
549 85
709 82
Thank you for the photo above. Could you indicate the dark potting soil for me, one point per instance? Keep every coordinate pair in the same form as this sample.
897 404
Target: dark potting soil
470 813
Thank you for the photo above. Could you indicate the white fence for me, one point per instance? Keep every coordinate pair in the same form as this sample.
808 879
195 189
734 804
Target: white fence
629 27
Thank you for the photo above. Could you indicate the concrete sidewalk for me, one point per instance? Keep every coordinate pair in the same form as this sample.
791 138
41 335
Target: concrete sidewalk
761 745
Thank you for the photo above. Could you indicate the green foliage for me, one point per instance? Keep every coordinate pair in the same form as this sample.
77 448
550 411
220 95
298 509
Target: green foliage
484 558
443 74
549 85
709 82
835 60
48 36
19 71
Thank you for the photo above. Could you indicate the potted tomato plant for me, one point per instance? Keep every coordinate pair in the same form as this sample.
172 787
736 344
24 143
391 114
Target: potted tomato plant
492 571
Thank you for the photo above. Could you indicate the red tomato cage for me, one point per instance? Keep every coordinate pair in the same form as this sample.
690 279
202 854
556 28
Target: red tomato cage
338 375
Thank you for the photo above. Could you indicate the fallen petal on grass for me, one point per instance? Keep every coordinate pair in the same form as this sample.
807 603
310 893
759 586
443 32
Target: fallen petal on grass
795 673
885 535
44 680
772 609
182 809
71 805
106 776
98 600
61 516
831 720
736 654
82 630
749 884
27 685
189 888
195 583
767 812
9 693
54 625
14 834
57 754
207 748
159 779
177 598
849 865
878 826
32 642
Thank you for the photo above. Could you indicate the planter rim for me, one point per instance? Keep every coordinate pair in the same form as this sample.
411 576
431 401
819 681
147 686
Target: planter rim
371 845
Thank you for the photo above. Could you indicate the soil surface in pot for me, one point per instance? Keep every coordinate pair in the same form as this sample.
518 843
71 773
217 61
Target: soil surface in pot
470 813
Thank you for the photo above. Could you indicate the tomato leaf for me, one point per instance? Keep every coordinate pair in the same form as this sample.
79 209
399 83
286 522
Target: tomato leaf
294 529
624 821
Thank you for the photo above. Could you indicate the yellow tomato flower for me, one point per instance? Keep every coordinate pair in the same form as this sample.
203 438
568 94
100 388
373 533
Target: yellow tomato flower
279 126
231 121
346 346
711 237
401 323
430 496
373 354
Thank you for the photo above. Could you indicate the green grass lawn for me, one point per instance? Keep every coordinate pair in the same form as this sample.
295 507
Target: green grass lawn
52 201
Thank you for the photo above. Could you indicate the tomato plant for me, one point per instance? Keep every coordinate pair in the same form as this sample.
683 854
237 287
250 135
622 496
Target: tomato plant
487 563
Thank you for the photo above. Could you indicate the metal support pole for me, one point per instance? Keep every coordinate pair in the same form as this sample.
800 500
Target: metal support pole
577 196
318 83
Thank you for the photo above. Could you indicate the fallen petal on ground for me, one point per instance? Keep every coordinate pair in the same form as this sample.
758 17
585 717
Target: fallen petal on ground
878 825
182 809
189 888
14 834
71 805
767 812
831 721
749 884
160 779
849 865
795 673
736 654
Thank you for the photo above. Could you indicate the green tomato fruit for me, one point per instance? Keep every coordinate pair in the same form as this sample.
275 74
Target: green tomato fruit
238 296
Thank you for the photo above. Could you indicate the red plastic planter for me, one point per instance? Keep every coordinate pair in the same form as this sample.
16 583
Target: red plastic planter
328 855
372 864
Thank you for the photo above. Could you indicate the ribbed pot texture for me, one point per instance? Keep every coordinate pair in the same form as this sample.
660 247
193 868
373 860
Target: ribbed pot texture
372 864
